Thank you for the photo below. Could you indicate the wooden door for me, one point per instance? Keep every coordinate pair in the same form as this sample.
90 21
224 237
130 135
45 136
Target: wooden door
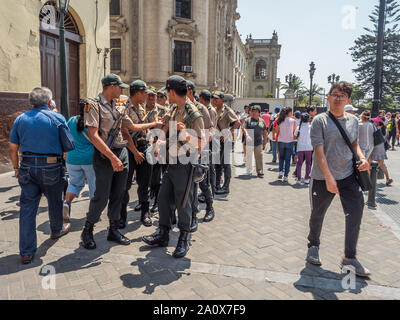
50 69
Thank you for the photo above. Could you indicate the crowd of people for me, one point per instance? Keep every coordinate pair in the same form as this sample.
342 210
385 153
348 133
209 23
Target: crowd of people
160 139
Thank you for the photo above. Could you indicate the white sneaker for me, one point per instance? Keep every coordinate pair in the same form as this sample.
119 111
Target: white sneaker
66 212
299 182
307 181
286 179
280 175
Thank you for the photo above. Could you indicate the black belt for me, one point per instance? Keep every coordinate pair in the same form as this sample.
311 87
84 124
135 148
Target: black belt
47 159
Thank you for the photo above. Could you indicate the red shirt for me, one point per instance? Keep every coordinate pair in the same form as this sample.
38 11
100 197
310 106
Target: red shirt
267 118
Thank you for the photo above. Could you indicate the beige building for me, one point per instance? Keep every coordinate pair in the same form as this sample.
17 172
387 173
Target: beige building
239 67
29 53
263 56
154 39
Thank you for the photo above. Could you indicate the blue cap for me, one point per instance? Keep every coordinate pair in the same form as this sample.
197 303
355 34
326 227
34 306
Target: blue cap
277 109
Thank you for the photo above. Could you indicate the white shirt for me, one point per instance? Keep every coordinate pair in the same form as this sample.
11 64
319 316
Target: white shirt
304 141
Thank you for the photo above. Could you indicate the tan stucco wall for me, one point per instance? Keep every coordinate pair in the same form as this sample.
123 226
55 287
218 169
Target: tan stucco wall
19 44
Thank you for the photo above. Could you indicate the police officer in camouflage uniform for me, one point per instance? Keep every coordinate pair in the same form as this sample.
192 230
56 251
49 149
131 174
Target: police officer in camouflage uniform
204 185
177 177
110 162
226 120
138 146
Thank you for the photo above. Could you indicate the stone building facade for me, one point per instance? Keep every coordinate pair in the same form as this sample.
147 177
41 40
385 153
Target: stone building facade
263 56
29 53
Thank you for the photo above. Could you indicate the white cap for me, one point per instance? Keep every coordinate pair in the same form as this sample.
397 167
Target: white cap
349 107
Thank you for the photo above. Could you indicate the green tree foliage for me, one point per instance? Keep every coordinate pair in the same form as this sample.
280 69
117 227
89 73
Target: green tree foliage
364 54
358 94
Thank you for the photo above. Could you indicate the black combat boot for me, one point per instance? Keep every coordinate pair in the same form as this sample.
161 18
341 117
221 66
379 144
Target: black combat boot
146 216
210 214
160 238
155 205
115 236
138 207
202 198
183 245
194 225
87 236
122 220
225 188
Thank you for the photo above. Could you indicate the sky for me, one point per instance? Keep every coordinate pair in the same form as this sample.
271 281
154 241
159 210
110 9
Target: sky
321 31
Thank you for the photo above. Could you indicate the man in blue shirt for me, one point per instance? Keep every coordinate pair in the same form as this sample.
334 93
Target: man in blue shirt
41 171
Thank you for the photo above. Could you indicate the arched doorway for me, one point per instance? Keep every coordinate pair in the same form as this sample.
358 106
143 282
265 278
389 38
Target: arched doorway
50 53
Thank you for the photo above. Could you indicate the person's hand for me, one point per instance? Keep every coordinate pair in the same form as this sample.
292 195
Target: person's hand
364 166
139 157
248 138
16 173
158 122
264 146
180 126
331 185
117 165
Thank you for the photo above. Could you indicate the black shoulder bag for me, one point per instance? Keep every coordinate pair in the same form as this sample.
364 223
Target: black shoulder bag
362 177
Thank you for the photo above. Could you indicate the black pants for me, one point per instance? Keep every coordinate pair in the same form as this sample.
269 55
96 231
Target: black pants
172 193
352 200
143 176
206 188
226 168
110 187
392 136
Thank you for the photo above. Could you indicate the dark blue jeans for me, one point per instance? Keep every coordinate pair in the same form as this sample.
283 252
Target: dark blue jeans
285 154
274 145
36 177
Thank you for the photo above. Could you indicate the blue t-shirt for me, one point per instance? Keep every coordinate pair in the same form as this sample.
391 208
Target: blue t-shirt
83 152
36 133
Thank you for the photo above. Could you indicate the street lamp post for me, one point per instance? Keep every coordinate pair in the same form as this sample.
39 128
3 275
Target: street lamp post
333 79
63 9
312 72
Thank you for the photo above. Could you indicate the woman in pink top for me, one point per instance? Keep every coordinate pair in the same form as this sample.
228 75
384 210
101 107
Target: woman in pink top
286 126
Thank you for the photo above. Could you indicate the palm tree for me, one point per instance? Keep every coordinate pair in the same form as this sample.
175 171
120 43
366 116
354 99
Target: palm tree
315 90
297 84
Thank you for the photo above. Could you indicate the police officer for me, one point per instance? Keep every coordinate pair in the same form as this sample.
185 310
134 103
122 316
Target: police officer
204 185
227 123
156 110
138 145
110 162
176 183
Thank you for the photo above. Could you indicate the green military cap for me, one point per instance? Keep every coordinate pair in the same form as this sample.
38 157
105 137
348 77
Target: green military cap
196 96
205 94
138 85
218 95
162 92
191 85
113 80
151 90
176 82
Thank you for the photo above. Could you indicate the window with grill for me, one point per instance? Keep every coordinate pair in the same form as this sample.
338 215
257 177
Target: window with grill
183 9
261 69
115 7
182 55
115 56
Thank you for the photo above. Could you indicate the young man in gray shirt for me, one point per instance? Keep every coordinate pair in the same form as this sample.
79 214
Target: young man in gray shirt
333 173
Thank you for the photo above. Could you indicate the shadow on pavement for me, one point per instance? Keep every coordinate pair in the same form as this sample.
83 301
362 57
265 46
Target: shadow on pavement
157 269
6 189
14 214
324 284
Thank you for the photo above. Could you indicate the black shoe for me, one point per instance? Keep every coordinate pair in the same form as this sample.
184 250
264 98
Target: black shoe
87 236
194 225
210 214
183 245
115 236
27 259
202 198
160 238
222 191
155 208
146 216
260 175
138 207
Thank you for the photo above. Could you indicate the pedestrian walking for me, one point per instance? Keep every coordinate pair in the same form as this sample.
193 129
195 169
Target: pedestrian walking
304 148
79 161
333 173
272 134
379 152
36 135
392 129
255 132
366 134
286 127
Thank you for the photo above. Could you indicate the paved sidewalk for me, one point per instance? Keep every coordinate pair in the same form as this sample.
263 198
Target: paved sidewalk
254 249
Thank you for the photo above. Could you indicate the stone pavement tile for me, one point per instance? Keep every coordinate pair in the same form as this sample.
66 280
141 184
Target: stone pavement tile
220 281
81 295
202 292
276 290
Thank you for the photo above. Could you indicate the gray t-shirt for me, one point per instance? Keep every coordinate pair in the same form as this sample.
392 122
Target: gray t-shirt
259 127
338 155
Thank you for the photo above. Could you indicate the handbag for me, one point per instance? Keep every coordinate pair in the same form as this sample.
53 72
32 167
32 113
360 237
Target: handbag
378 137
66 139
362 177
